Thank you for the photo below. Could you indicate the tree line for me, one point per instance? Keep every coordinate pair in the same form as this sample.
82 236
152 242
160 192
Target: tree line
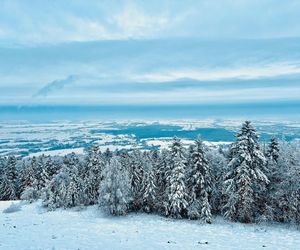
244 182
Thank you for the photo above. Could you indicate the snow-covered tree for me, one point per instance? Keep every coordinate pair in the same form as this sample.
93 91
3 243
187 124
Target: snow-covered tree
217 161
177 197
273 149
74 195
27 174
2 165
149 187
9 180
11 172
93 175
274 175
7 188
136 171
199 183
115 192
55 195
286 202
246 178
161 167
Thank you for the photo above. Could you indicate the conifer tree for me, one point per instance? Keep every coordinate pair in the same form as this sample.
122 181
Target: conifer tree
274 175
114 192
273 149
246 178
199 182
12 173
27 174
93 176
149 188
162 169
74 195
7 188
136 171
55 195
177 197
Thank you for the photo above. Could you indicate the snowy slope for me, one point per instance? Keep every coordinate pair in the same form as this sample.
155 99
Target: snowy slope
34 228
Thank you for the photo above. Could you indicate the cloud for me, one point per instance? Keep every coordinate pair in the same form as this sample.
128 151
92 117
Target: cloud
135 23
55 86
176 70
20 21
78 21
206 74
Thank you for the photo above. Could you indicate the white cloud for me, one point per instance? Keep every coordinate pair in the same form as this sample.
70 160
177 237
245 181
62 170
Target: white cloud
59 21
204 74
134 22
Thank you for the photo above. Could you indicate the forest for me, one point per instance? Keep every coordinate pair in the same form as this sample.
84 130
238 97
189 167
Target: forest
247 182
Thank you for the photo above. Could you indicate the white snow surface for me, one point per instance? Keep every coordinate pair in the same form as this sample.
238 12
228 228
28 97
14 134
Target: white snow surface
34 228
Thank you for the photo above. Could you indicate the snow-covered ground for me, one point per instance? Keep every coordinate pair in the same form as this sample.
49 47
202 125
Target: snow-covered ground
34 228
63 137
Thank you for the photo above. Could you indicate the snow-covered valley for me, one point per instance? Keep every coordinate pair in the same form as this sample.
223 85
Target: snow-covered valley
35 228
63 137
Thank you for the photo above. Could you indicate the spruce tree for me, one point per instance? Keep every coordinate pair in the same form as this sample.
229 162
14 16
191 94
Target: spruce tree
114 192
246 178
12 173
177 197
74 195
274 175
199 182
93 175
7 188
136 170
149 188
55 195
273 150
27 174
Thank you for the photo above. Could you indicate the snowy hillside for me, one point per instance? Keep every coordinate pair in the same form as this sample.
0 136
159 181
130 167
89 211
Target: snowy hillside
34 228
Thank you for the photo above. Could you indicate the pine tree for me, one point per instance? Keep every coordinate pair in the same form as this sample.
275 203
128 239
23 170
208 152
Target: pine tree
50 167
12 173
40 165
27 174
274 176
9 180
199 183
114 192
136 179
74 195
149 188
162 169
246 178
7 188
273 150
218 164
93 176
176 204
55 195
2 165
286 200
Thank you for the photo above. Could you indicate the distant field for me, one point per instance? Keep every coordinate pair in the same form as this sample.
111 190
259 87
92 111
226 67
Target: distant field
60 138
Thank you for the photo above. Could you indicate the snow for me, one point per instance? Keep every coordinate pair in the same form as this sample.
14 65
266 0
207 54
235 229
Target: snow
34 228
165 142
60 152
25 138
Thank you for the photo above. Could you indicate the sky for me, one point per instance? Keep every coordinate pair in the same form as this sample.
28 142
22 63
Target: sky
149 52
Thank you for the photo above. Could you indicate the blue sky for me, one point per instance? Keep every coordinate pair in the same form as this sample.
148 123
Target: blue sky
149 52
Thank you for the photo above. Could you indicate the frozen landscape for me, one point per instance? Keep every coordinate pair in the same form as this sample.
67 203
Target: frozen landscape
32 227
155 124
26 138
